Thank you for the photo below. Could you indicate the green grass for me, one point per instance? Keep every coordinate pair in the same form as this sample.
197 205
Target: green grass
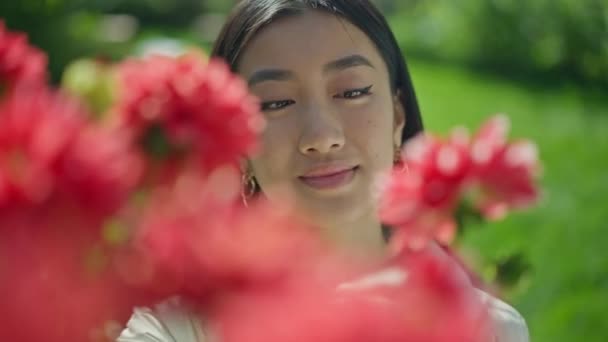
565 239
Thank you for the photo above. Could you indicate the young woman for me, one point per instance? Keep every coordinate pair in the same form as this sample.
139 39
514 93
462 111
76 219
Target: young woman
339 103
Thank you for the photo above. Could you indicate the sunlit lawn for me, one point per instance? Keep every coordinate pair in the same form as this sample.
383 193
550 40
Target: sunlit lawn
565 239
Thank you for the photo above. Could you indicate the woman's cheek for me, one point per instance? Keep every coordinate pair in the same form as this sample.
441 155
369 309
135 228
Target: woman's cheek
271 164
370 128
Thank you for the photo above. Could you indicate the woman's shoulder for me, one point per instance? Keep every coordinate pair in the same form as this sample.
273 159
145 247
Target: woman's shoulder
174 321
170 321
508 324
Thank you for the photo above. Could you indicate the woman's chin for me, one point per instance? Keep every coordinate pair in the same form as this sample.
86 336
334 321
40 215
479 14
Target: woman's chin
326 204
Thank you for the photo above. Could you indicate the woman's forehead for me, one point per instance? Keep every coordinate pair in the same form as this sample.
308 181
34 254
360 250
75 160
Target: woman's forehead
305 41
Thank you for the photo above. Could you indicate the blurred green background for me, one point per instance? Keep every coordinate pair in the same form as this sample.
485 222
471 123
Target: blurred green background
543 62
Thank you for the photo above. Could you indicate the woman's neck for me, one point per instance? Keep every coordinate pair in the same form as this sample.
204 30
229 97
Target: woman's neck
361 237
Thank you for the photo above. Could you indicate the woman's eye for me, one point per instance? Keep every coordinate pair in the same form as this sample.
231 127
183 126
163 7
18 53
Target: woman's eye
276 105
355 93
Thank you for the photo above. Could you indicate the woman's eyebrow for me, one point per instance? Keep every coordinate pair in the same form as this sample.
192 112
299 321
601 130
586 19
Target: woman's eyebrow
283 75
269 75
347 62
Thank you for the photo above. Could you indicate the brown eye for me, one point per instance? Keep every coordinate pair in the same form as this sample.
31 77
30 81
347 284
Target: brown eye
276 105
355 93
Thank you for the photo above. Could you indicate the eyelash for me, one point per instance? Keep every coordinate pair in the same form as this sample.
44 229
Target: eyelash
362 92
348 94
266 106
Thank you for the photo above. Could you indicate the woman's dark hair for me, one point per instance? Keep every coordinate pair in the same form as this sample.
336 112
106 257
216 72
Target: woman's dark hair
250 16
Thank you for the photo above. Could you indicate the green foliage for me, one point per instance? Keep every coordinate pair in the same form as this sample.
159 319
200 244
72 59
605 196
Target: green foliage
222 6
547 37
73 29
92 81
555 254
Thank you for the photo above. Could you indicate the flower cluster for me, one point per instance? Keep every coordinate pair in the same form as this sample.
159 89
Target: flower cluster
188 104
197 239
20 63
503 172
61 177
492 175
57 280
47 149
420 298
67 181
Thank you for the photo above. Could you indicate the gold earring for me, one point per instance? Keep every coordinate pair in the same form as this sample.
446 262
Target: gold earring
398 161
248 186
397 155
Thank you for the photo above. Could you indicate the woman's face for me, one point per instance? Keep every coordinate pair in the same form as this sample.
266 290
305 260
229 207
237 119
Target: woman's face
332 120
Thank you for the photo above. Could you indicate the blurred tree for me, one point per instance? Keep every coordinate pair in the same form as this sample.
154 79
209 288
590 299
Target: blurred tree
559 36
538 38
222 6
178 13
70 29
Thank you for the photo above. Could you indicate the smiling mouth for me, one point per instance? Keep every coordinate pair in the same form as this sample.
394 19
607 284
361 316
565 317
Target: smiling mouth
330 179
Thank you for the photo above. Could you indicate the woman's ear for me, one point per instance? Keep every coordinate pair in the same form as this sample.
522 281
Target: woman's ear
398 119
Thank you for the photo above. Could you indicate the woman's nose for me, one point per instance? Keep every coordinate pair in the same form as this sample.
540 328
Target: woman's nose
322 133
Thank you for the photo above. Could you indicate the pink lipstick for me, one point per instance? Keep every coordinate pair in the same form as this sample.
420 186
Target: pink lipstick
329 177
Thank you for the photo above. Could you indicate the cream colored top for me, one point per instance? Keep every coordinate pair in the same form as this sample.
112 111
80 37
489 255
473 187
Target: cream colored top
172 321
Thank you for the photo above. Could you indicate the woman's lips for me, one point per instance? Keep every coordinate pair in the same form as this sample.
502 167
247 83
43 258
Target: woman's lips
329 179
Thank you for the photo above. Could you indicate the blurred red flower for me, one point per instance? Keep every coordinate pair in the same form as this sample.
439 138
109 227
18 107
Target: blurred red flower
197 238
20 63
504 173
420 197
420 298
58 283
102 168
60 179
48 149
194 105
448 307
